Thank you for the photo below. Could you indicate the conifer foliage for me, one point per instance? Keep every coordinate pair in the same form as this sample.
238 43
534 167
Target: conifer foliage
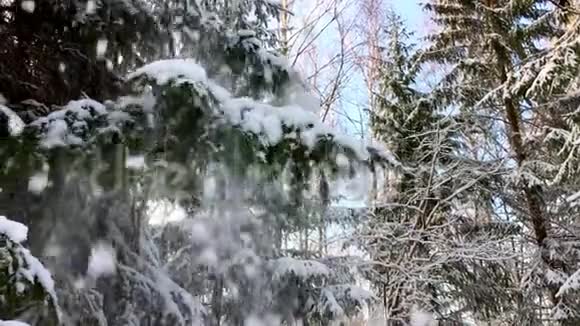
508 95
112 110
185 103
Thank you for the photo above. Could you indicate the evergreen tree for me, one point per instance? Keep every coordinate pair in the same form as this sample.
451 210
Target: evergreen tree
224 115
486 44
109 108
417 199
27 288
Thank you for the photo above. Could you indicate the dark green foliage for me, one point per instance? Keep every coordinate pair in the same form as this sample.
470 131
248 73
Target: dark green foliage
503 70
187 130
23 298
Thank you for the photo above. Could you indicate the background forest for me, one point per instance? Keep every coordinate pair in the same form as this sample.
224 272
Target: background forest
289 162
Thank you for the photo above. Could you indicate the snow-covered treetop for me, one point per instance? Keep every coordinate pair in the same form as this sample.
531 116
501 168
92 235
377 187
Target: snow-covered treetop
270 123
302 269
15 231
322 294
176 70
70 126
342 300
12 323
12 121
25 272
81 123
18 232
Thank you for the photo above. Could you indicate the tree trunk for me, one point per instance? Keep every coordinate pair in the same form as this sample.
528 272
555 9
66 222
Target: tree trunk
216 301
533 194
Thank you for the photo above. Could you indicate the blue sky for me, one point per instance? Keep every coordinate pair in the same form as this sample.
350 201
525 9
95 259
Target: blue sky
413 16
354 98
411 12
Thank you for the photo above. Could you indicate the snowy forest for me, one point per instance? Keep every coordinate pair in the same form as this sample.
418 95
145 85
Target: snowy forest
289 162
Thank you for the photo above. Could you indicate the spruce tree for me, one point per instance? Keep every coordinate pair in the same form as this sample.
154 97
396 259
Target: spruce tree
421 138
223 116
486 44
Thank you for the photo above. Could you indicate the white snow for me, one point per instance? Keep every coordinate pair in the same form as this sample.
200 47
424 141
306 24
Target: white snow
299 96
162 212
246 33
264 120
12 323
91 7
56 136
328 303
208 257
559 313
81 107
179 70
18 233
146 101
200 233
210 188
102 261
555 277
268 320
573 198
342 161
15 124
333 297
355 293
267 121
193 35
28 6
169 290
80 284
38 271
301 268
38 182
135 162
572 283
58 133
101 47
15 231
422 318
